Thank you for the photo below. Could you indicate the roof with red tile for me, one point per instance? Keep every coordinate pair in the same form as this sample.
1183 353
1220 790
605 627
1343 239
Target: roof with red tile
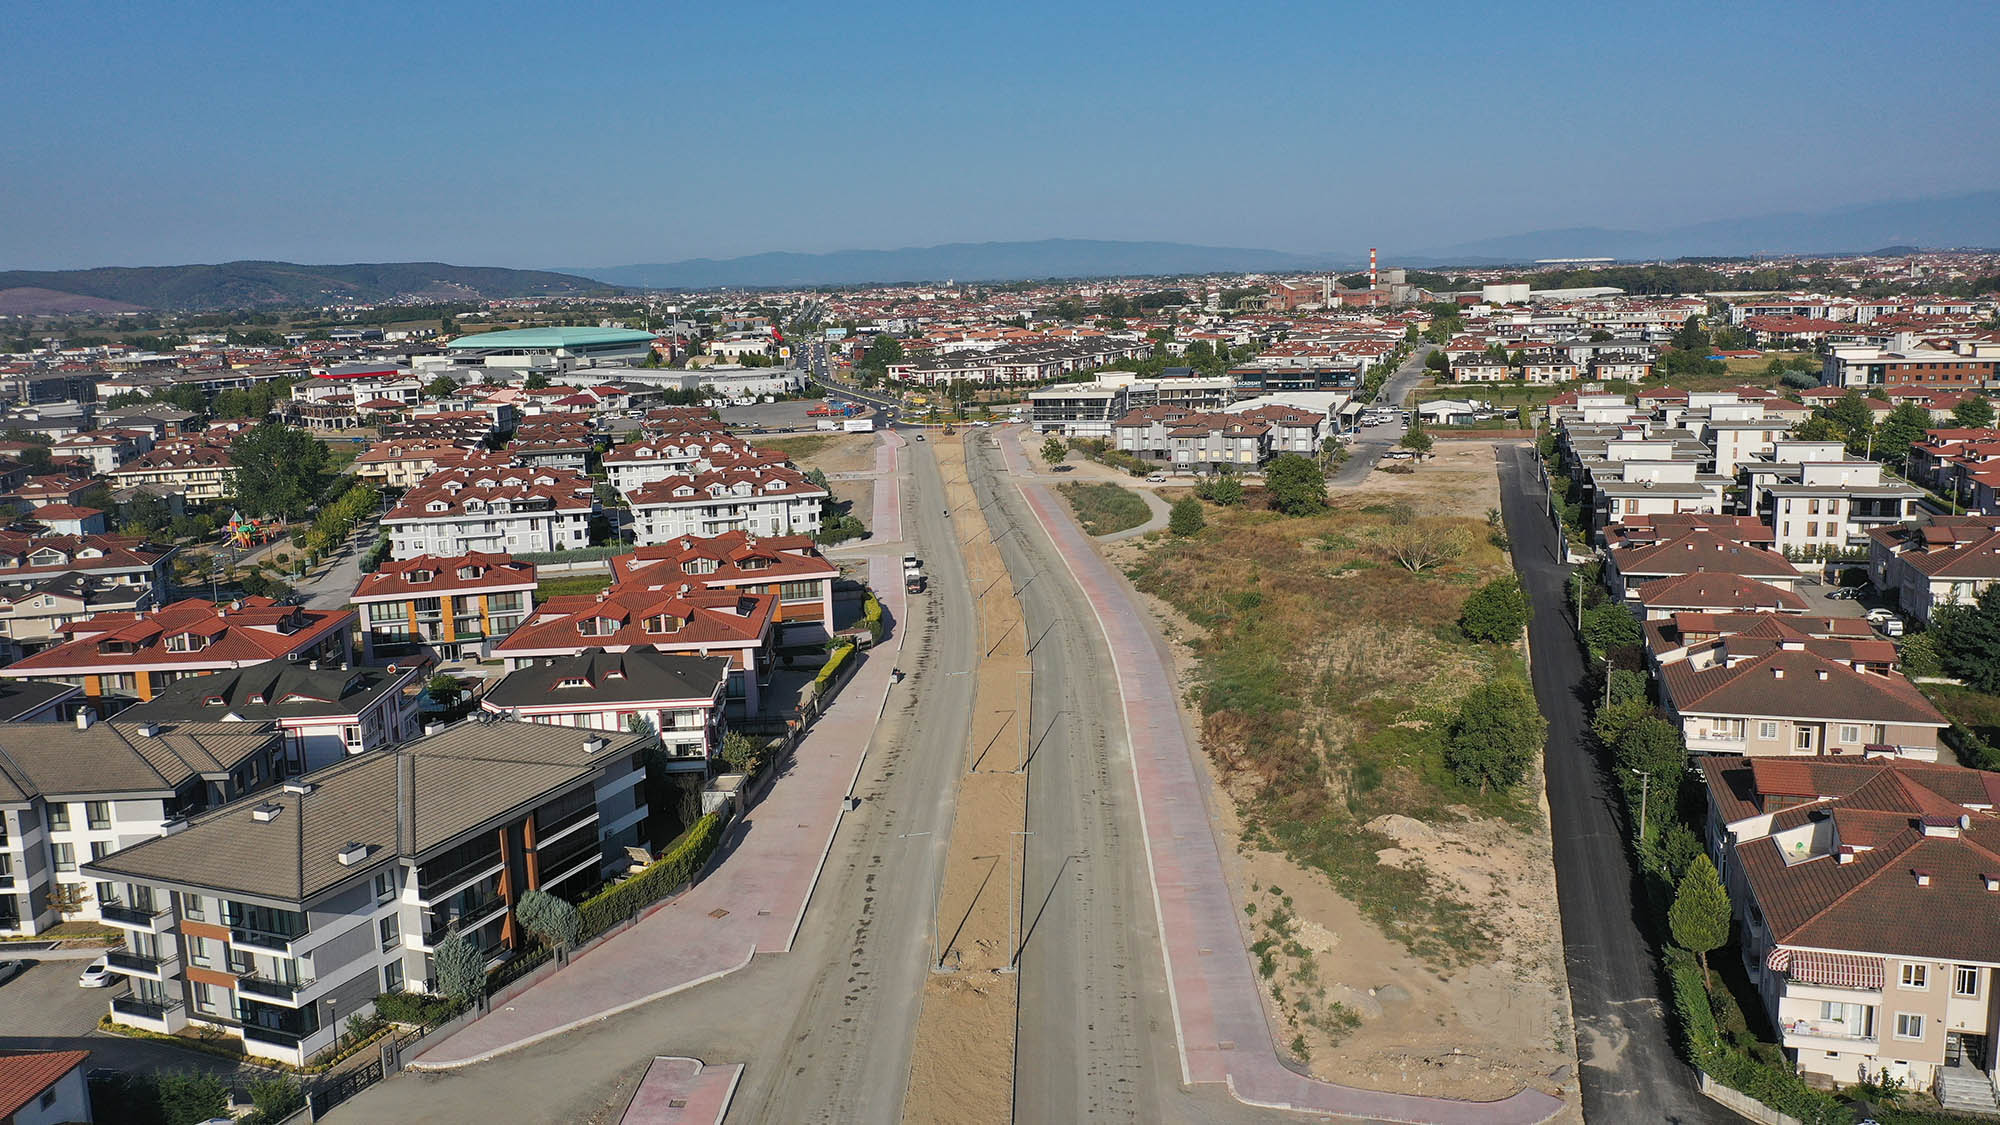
696 618
249 631
443 576
1794 683
26 1076
730 559
1722 592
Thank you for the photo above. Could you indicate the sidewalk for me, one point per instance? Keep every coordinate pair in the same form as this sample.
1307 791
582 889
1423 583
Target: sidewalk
1218 1012
752 901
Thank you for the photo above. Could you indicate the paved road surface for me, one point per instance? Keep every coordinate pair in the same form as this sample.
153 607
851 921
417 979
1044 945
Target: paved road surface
1629 1069
1370 444
823 1031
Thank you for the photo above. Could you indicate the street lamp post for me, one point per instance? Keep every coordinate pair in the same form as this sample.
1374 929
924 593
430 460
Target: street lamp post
1645 780
1014 905
1024 713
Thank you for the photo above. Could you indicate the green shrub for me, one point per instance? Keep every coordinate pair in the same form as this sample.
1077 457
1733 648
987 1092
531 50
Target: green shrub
664 876
1496 612
461 969
832 665
871 615
415 1007
1187 517
551 920
191 1097
275 1099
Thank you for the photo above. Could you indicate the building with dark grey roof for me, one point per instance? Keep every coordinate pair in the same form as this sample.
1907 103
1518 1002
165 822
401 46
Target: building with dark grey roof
325 711
679 694
281 917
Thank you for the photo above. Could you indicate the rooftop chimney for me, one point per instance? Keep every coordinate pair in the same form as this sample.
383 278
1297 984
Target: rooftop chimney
84 717
406 787
266 812
1923 878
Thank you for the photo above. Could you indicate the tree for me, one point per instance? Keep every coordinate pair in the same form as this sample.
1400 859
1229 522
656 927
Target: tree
1816 428
1438 362
1496 612
1187 517
1054 450
1296 485
1223 489
1417 442
190 1097
1699 917
1493 739
1853 420
535 381
882 351
1968 640
1974 413
1609 627
1690 337
67 898
1653 746
1610 723
1418 547
1919 656
276 470
742 754
461 969
1904 427
444 386
442 688
276 1098
553 922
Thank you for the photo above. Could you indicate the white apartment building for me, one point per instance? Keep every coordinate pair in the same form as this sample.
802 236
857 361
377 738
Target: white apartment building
509 510
764 500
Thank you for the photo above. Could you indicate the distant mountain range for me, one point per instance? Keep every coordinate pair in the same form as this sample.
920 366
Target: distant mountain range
964 261
233 285
1961 220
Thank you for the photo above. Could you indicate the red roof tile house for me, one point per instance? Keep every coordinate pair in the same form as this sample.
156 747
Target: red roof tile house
676 616
44 1088
788 567
1710 592
1758 698
1629 569
1951 559
1866 892
762 500
450 606
120 657
510 509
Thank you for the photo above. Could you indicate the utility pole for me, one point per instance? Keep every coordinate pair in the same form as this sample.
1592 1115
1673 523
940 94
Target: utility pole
1645 783
1024 713
1014 905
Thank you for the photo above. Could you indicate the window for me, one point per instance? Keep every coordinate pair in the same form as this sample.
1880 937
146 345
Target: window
385 886
392 976
1850 734
1909 1026
1767 730
191 907
799 591
65 857
1916 974
201 951
97 814
48 1099
58 818
392 932
1965 980
99 849
208 999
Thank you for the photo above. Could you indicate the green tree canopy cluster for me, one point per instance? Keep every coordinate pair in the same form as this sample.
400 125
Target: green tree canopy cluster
277 470
1494 737
1296 485
1496 612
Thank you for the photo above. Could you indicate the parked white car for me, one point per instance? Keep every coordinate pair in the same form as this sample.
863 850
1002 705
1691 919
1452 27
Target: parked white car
98 974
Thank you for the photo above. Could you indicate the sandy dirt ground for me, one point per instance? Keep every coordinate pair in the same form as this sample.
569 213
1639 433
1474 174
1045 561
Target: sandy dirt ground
1402 1024
962 1065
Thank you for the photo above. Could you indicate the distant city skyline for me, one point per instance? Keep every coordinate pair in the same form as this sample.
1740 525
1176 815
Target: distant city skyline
517 136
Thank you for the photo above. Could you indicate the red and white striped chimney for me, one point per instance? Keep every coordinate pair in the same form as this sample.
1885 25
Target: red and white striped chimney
1371 267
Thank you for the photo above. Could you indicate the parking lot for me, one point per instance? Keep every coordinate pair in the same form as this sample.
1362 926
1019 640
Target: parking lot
772 416
43 1010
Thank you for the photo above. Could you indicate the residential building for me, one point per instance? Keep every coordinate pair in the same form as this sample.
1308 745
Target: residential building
27 556
635 464
1079 410
71 793
194 468
1706 592
119 658
38 703
33 613
511 510
1966 365
324 711
1765 699
451 606
761 500
674 616
1628 569
1946 560
44 1088
279 919
789 568
1828 507
1864 888
407 464
675 694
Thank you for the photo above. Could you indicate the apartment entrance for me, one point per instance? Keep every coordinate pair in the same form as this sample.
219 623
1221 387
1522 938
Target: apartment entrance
1962 1050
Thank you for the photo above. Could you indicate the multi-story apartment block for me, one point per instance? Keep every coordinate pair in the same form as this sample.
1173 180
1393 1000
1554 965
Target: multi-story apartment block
73 793
119 658
1076 410
32 614
762 500
1968 364
407 464
449 606
789 568
1865 893
114 559
506 510
194 468
678 695
324 711
674 616
1947 560
636 464
1817 507
278 919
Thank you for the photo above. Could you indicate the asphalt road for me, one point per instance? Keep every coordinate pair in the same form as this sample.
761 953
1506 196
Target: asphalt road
1094 1035
1370 444
43 1009
824 1032
1629 1069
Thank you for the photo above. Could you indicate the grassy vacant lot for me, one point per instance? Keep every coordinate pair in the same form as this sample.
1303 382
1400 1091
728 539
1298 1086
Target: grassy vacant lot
1105 508
1328 676
1975 711
563 585
801 447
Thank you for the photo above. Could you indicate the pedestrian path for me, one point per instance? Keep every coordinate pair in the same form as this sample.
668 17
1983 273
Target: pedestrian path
683 1091
1218 1012
752 902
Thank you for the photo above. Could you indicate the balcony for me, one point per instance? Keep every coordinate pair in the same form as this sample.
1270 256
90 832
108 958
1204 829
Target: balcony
431 887
263 939
443 922
284 991
119 913
124 960
276 1037
1829 1035
156 1010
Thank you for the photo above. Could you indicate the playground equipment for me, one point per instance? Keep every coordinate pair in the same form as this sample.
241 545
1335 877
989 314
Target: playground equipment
243 531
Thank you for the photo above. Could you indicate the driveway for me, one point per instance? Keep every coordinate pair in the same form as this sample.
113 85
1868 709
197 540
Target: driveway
1370 444
1629 1069
43 1009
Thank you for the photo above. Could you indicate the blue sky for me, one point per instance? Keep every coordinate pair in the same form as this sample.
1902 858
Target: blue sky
576 135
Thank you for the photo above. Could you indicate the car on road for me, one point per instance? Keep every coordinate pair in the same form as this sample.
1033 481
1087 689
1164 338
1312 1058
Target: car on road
98 974
11 969
1843 593
920 437
1156 478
